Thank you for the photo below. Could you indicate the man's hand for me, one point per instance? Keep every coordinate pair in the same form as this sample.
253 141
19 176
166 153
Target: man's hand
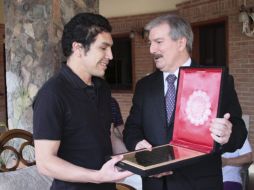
221 129
143 144
110 173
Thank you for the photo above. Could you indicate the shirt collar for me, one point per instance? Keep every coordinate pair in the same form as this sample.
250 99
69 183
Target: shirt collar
186 64
74 79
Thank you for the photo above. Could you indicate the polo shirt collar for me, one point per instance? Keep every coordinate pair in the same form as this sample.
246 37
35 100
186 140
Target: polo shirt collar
74 79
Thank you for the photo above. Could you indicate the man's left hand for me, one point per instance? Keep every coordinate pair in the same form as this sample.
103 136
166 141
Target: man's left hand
221 129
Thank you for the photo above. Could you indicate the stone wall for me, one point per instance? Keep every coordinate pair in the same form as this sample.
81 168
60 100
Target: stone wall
2 81
33 53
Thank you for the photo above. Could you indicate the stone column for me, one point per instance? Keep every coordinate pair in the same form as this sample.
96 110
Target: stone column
33 30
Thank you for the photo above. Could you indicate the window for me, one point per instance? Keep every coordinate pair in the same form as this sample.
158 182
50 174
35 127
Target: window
210 41
119 71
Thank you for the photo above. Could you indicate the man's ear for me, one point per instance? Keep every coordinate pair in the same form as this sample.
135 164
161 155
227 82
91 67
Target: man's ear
77 48
182 42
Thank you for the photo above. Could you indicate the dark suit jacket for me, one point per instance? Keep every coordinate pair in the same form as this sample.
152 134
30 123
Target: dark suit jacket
147 120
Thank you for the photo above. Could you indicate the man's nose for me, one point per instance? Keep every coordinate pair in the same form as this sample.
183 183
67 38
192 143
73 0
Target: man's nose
109 54
152 48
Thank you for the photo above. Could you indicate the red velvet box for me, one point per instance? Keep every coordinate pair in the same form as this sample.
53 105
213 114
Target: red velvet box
197 103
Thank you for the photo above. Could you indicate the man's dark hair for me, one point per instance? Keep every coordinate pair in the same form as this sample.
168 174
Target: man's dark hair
83 28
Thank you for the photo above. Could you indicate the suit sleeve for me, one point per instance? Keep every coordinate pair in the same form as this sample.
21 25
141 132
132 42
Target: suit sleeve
230 104
133 131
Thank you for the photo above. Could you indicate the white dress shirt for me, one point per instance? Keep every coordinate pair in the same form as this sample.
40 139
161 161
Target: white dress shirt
232 173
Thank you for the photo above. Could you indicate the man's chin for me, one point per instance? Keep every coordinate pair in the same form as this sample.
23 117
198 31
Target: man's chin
158 65
100 74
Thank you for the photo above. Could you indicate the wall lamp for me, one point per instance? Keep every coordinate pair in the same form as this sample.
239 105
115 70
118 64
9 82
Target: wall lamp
142 32
246 17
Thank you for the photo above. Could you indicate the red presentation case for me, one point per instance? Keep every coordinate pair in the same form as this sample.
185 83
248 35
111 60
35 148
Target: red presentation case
197 103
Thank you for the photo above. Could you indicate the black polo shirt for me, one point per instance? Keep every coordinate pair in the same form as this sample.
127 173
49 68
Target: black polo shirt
78 115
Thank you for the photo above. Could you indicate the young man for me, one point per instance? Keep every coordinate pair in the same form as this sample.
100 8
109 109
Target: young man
72 111
171 39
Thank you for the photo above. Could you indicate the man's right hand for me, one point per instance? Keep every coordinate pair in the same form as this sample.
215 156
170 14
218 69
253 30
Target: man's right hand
110 173
143 144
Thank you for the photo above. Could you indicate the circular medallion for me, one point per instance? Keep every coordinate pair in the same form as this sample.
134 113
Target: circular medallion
198 107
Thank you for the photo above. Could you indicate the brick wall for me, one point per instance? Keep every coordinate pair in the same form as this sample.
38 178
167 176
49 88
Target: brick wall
240 48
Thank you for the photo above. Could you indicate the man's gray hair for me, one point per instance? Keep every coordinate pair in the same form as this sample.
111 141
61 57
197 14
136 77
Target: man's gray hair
179 27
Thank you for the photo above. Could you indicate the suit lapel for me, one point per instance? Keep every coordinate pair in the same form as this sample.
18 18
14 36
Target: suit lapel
158 103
